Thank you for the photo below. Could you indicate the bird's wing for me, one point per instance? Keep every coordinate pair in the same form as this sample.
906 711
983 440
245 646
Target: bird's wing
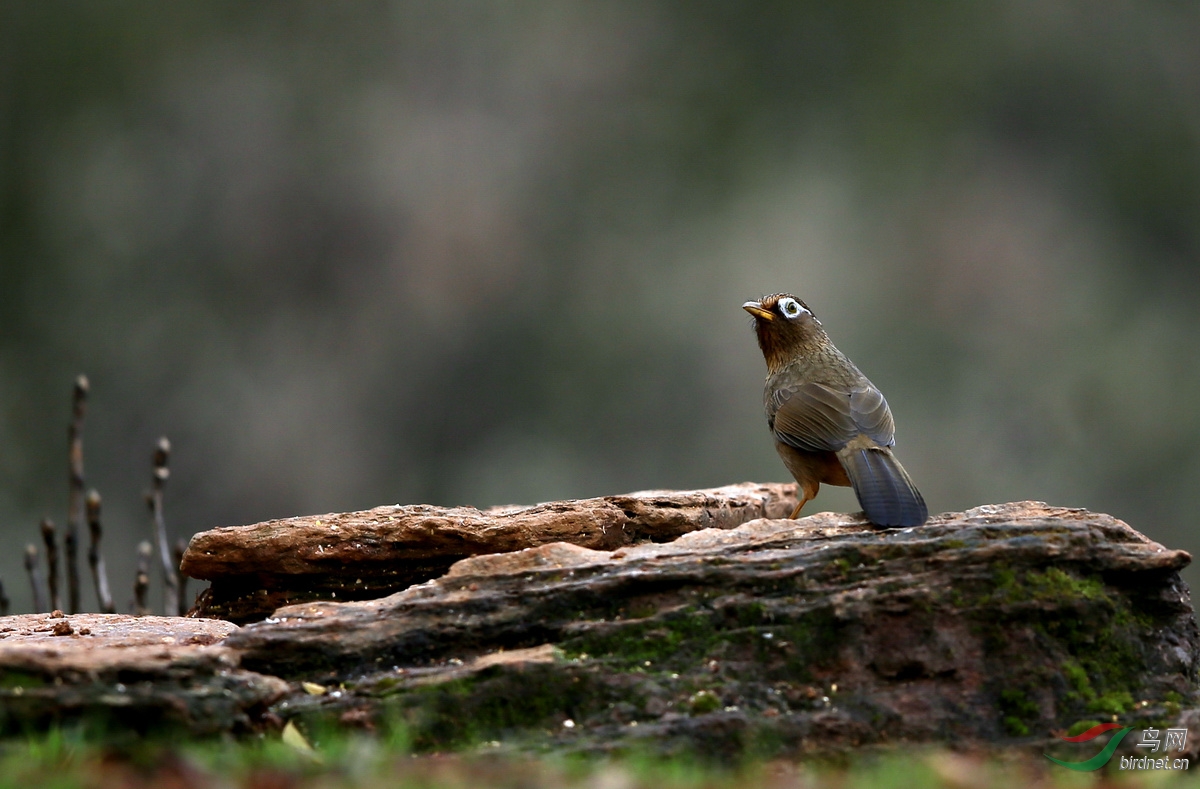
816 417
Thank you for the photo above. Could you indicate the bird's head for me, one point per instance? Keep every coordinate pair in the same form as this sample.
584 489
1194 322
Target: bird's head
784 324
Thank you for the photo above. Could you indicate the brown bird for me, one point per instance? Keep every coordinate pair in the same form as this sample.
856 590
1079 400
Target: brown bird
830 423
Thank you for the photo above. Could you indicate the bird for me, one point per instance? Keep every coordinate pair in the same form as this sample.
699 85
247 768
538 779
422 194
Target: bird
829 422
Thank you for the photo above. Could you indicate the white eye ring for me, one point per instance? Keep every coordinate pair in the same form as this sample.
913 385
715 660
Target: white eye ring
791 308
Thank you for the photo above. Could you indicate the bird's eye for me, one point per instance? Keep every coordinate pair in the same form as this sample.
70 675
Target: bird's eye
791 308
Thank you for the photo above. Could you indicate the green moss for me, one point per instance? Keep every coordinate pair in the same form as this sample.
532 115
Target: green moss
703 701
1113 703
494 704
752 615
382 685
669 641
795 649
641 610
1015 726
1005 580
1172 703
1079 727
684 640
1058 584
1105 659
1053 585
20 679
1017 709
1081 684
1086 632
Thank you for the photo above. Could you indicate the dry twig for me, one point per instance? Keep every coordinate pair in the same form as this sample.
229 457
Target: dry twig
177 556
95 558
141 583
162 454
49 537
75 491
35 578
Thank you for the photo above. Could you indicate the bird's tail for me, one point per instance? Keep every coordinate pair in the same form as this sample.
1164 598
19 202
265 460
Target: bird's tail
884 489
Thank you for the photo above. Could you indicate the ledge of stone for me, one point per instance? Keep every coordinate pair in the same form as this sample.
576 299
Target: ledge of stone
363 555
126 673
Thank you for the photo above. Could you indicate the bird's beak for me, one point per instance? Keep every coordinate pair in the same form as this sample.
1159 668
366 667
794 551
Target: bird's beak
756 309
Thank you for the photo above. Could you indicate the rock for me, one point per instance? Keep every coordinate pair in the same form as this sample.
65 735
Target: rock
118 672
998 625
1002 626
364 555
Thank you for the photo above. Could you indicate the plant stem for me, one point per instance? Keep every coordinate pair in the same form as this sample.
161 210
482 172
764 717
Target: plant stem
95 557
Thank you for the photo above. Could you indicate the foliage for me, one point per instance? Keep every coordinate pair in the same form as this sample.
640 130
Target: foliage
66 760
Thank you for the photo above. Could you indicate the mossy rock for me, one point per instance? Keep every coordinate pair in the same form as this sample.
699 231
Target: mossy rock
999 626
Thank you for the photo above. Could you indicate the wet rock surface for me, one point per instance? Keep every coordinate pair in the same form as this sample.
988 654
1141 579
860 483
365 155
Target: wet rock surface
1001 626
120 672
363 555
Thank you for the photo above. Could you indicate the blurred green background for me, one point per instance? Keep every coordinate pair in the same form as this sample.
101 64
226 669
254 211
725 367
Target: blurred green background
346 255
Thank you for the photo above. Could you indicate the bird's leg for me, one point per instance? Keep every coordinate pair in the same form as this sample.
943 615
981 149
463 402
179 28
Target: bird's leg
806 491
799 505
